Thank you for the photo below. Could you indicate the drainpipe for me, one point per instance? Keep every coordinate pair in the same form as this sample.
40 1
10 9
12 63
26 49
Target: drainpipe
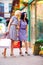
35 19
29 24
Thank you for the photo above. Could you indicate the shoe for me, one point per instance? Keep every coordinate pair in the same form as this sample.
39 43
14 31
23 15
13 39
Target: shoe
27 53
21 54
11 54
4 54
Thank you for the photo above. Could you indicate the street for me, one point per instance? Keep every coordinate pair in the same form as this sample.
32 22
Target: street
20 60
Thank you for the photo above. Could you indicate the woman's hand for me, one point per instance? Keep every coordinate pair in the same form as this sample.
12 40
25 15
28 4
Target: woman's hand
6 33
17 27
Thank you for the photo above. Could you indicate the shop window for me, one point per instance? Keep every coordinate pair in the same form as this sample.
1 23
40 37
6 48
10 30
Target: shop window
1 7
10 7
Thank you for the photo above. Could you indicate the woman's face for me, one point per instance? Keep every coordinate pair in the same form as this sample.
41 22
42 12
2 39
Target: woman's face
25 15
18 15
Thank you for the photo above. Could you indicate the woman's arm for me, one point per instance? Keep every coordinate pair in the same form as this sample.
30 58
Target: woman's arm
9 24
18 27
27 30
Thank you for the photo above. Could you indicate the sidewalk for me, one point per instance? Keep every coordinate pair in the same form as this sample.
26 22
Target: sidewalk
19 60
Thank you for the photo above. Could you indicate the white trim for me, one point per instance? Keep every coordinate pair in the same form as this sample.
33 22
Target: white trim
5 1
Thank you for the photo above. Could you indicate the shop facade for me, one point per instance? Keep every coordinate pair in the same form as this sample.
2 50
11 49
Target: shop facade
34 9
36 20
5 8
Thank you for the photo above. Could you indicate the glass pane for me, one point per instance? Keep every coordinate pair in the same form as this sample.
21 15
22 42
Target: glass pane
1 7
32 22
40 20
10 7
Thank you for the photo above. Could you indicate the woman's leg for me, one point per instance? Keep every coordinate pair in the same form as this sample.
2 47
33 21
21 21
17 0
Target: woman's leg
12 41
26 46
4 53
20 47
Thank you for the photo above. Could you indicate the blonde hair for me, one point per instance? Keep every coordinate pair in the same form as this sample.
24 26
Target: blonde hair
18 14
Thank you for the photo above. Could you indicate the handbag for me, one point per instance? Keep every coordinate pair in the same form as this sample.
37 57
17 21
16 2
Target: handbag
5 43
16 44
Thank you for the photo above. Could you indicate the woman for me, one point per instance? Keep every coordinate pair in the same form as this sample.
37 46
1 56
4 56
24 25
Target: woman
12 31
23 32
